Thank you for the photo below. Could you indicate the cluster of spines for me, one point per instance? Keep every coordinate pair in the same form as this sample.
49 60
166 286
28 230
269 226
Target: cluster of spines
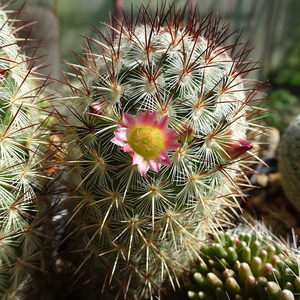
246 265
142 230
22 164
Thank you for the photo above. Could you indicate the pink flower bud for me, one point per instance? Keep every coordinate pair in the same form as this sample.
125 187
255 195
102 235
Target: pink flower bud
236 146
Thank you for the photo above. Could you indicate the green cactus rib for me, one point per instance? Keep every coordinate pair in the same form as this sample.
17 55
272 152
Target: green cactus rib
247 264
22 157
129 231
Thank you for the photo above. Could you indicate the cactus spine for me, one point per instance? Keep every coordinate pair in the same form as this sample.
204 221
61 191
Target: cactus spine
158 130
246 263
22 154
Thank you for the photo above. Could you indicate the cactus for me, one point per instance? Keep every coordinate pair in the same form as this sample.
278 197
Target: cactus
22 169
247 263
288 154
155 141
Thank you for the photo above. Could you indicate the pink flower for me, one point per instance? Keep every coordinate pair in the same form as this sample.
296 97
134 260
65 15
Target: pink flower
147 139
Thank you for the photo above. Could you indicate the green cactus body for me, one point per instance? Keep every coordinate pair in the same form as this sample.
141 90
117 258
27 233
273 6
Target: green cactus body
21 160
157 132
288 162
245 263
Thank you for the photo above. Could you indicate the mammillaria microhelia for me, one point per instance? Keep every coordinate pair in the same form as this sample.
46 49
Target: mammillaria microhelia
23 163
156 138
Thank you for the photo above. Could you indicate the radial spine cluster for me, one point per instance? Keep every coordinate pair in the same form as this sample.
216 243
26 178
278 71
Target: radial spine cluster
138 202
22 154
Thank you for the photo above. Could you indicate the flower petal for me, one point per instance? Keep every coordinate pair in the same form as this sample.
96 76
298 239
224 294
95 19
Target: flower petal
121 133
147 118
96 107
170 134
154 165
127 148
128 120
118 142
164 158
136 158
163 123
171 145
143 167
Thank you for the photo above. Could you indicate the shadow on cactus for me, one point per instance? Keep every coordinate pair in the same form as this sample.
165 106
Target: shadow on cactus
156 140
245 263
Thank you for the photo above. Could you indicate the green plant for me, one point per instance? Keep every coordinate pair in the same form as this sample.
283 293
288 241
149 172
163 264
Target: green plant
155 142
22 168
245 263
288 155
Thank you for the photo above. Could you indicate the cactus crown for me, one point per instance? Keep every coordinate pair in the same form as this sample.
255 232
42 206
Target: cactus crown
160 114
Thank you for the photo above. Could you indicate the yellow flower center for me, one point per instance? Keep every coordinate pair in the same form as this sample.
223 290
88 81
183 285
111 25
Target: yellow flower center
146 141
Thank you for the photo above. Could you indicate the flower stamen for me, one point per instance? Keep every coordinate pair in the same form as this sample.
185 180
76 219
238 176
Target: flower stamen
146 141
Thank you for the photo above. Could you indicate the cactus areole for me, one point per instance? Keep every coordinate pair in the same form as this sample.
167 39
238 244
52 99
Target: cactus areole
158 133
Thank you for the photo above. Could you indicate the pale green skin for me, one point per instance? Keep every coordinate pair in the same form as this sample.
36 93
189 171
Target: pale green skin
133 233
245 263
288 162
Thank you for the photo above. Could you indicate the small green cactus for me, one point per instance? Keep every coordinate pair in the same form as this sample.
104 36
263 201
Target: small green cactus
22 157
156 139
247 263
288 158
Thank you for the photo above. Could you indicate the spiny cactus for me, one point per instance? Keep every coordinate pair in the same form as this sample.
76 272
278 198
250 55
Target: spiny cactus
247 263
22 156
160 112
288 157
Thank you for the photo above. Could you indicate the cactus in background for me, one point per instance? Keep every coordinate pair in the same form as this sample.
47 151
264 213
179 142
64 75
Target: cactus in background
288 157
245 264
155 142
22 173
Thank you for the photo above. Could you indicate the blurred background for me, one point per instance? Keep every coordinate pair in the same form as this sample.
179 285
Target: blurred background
272 28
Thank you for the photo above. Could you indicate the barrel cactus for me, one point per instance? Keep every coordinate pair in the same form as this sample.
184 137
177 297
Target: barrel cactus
247 263
22 157
155 140
288 157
